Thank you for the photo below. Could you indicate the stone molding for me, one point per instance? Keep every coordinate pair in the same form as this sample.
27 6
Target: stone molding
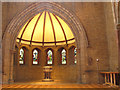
12 51
118 27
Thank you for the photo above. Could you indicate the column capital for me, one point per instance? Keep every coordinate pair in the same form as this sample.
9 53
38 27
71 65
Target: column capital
118 26
12 51
10 81
78 50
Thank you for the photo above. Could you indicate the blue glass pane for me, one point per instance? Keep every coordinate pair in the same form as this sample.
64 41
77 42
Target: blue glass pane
75 52
21 60
49 57
35 57
64 56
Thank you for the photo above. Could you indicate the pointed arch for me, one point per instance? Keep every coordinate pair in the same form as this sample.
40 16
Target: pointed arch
49 58
63 57
22 17
35 56
22 55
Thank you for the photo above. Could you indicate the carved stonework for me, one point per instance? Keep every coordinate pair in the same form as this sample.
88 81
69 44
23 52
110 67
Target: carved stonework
12 51
115 8
78 50
90 60
118 27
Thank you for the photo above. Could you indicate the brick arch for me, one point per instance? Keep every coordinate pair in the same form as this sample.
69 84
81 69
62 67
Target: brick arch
70 18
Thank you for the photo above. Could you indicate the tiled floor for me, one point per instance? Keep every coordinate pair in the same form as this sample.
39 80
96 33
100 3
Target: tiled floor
55 86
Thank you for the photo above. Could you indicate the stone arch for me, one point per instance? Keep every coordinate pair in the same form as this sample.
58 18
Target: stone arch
71 54
21 18
24 47
46 51
38 57
36 48
71 46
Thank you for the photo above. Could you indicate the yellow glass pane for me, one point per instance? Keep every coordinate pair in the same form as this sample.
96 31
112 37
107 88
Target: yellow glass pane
58 31
38 33
62 43
17 40
72 41
20 33
49 36
24 42
37 44
66 28
28 32
49 44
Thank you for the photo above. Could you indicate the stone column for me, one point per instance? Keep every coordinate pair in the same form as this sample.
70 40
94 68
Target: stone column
28 57
11 80
118 31
1 45
78 67
68 60
43 58
55 57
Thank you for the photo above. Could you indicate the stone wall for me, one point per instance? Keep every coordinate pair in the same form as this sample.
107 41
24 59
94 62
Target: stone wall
119 12
0 45
29 72
119 33
99 27
118 27
111 31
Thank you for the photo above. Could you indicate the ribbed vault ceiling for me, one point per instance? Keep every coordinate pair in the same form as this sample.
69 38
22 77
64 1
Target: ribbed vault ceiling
45 29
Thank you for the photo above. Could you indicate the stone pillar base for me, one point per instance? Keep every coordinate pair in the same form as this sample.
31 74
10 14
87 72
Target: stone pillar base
10 81
47 80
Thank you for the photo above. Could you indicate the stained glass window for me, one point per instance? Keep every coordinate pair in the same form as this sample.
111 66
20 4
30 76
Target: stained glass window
63 56
22 56
49 57
75 52
35 56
